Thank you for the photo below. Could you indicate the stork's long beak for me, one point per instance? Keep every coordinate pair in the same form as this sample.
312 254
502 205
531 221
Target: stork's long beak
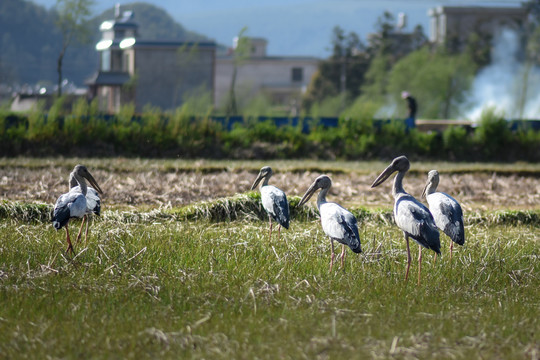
257 181
383 176
309 193
93 182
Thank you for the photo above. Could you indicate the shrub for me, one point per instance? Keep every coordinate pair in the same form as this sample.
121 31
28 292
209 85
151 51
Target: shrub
493 135
153 137
74 124
180 133
456 143
40 130
127 130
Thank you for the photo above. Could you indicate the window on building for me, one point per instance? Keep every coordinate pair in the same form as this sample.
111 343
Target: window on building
125 64
297 74
106 60
116 60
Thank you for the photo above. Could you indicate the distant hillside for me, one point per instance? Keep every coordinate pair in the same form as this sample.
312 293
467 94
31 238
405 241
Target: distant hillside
30 42
154 23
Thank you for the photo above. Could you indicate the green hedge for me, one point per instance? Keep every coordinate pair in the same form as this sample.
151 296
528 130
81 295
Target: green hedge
83 132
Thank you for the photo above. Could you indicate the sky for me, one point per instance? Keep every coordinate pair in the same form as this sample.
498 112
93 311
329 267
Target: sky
293 27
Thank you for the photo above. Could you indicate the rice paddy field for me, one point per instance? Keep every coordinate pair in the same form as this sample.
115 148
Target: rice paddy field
179 265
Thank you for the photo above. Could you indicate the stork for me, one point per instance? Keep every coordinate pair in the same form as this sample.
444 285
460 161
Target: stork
446 211
93 204
337 223
73 204
411 216
274 201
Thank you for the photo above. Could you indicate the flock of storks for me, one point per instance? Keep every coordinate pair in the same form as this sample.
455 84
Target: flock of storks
411 216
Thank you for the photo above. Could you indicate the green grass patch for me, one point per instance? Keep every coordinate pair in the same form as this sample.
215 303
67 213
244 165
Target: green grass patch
202 289
248 207
298 166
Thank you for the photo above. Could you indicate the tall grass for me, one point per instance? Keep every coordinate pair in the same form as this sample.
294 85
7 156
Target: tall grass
199 289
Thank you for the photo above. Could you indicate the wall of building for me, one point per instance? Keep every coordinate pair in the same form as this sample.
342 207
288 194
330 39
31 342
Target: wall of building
269 75
457 23
163 77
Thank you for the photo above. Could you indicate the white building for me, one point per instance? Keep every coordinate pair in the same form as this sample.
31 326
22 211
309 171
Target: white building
454 23
281 78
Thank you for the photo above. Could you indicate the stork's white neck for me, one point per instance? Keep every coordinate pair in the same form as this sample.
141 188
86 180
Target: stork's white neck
321 199
431 188
72 181
77 179
398 184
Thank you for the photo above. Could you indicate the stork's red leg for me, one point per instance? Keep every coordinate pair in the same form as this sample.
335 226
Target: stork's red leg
342 256
70 245
408 258
86 232
451 249
80 230
270 233
333 256
419 263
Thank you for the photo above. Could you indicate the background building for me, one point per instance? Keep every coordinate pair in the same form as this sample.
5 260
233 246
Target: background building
281 78
455 24
156 73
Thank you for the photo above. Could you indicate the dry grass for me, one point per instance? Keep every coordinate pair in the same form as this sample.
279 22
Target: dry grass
133 183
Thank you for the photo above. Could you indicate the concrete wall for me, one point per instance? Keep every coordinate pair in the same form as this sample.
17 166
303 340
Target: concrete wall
458 23
271 75
164 77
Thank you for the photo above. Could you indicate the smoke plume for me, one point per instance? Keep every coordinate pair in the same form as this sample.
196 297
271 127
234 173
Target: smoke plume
508 85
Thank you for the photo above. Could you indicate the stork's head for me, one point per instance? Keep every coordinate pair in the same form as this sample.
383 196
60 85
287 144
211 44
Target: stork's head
322 182
431 183
264 173
399 164
82 171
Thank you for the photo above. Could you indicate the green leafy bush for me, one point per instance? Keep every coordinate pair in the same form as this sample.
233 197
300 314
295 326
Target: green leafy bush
41 130
493 135
181 133
456 142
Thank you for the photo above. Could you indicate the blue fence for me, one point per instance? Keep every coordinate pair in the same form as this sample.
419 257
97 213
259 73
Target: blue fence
307 123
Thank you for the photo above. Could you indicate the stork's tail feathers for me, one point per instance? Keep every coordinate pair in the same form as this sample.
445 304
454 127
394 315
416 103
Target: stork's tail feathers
429 237
356 249
456 233
97 209
282 216
459 240
434 244
60 217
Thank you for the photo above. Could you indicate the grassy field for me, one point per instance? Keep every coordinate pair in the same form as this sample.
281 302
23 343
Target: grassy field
152 284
